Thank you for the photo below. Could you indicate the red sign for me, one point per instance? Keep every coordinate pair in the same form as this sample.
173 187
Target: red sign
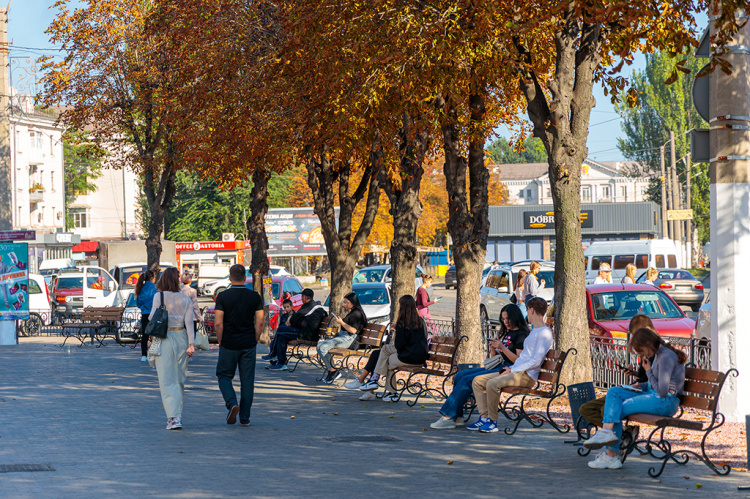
212 245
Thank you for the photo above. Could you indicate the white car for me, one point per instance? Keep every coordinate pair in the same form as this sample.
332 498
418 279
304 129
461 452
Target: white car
499 286
703 320
213 288
375 298
382 273
40 310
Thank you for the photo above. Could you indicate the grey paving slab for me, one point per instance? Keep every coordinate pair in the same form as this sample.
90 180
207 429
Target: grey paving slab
95 416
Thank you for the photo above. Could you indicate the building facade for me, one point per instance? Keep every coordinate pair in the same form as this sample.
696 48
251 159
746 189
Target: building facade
601 182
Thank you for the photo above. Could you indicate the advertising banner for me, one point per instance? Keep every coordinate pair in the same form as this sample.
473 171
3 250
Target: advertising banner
14 281
546 219
294 232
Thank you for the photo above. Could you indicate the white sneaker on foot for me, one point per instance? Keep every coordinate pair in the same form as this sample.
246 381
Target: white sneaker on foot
353 384
443 424
144 359
367 396
604 461
603 438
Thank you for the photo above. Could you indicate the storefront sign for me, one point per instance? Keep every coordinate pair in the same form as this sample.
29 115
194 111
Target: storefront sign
546 219
212 246
14 281
679 214
17 235
294 232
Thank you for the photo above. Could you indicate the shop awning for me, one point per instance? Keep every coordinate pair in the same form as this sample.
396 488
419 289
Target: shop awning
86 247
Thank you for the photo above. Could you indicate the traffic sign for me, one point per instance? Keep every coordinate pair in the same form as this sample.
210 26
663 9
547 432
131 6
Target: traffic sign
679 214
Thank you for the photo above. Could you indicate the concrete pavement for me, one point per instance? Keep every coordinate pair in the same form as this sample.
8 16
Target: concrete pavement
95 416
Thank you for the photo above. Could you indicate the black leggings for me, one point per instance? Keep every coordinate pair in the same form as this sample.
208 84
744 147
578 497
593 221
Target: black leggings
372 361
144 336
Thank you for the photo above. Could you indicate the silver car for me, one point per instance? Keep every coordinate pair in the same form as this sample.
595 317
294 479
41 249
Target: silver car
703 321
499 286
375 298
680 285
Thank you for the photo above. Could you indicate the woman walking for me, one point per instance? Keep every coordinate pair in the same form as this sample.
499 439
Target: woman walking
629 274
532 285
144 297
351 327
651 275
409 348
172 360
423 302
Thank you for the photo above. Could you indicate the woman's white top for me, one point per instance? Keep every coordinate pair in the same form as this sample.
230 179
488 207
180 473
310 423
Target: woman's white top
180 310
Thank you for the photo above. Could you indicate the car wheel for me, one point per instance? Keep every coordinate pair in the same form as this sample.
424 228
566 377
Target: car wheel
483 317
57 318
696 307
32 326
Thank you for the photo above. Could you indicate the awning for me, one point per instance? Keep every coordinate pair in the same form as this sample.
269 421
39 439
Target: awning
85 247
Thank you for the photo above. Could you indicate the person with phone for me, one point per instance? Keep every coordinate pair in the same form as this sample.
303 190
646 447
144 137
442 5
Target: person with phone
661 394
423 302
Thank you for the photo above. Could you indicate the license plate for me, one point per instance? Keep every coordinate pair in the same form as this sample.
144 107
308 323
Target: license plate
684 288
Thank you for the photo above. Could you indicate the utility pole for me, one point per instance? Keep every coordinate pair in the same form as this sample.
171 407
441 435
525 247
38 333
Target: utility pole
6 182
729 113
675 195
689 222
664 231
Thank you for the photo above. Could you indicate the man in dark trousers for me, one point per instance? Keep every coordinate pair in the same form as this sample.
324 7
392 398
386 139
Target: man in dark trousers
238 321
303 324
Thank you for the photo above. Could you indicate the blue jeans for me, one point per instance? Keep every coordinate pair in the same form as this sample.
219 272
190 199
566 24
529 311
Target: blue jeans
284 334
621 402
226 365
342 341
453 407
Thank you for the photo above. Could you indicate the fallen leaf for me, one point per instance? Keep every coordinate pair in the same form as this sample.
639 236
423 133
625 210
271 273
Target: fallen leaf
686 477
179 452
333 398
335 413
424 429
698 485
449 462
421 406
292 417
391 416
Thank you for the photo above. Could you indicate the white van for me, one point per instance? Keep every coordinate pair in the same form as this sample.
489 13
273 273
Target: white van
644 253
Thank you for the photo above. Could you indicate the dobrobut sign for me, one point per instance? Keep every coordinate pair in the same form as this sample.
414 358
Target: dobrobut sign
546 219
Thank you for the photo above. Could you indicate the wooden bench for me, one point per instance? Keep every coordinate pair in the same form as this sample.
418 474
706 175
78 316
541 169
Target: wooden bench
96 323
441 364
370 340
301 349
548 387
702 391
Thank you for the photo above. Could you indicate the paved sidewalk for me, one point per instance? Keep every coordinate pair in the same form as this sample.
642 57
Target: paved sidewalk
95 416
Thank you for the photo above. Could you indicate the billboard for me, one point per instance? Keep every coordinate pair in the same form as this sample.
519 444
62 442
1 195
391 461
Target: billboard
14 281
294 232
546 219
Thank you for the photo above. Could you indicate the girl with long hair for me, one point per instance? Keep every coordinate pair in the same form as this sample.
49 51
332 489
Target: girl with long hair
351 327
509 344
144 297
629 274
659 396
408 348
423 302
532 285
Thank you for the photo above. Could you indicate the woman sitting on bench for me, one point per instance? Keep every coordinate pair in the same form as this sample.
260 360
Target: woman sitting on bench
504 350
660 396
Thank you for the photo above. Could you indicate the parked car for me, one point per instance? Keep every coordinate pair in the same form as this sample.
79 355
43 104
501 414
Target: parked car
131 318
500 284
126 275
50 267
611 306
375 298
680 285
214 287
450 277
657 253
278 270
703 320
282 287
40 309
382 273
74 289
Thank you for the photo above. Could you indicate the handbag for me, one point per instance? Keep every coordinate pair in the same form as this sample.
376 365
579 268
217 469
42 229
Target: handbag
514 299
158 325
492 362
201 341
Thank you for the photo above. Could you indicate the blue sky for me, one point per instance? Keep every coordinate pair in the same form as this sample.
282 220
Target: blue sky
30 18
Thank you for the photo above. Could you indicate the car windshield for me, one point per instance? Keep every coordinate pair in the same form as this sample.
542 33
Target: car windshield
667 275
48 271
69 283
131 302
275 288
548 276
623 305
130 275
34 287
368 296
369 275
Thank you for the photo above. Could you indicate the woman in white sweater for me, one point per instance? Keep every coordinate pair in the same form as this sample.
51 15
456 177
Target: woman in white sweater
172 361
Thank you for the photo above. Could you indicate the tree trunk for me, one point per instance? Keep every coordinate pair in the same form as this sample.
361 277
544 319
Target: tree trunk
256 228
159 201
342 248
405 211
468 222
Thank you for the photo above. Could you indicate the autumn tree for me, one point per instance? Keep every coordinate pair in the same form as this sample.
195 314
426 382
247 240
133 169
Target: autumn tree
111 82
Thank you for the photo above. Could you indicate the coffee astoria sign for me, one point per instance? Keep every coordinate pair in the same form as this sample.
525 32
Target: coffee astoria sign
546 219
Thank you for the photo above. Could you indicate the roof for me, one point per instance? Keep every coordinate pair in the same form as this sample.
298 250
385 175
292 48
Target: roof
620 287
521 171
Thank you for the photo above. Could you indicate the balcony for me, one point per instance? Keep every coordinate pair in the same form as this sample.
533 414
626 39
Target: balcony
36 196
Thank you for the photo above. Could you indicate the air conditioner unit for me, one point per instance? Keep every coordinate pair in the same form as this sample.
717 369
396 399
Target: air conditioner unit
227 236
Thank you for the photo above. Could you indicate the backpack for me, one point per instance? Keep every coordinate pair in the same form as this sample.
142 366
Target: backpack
158 325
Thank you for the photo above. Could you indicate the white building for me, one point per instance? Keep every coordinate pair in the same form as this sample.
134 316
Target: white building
601 182
38 196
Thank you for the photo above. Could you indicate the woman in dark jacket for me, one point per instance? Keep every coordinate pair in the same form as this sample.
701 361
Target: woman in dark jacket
144 294
409 348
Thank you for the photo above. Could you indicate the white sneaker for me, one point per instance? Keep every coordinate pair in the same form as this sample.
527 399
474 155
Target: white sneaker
390 397
603 438
443 424
174 423
144 359
367 395
604 461
353 384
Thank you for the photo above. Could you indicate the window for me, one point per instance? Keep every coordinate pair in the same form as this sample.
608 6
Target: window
520 193
52 181
621 261
659 261
36 140
80 218
605 192
34 288
598 260
672 261
586 194
624 193
641 261
528 193
548 193
644 190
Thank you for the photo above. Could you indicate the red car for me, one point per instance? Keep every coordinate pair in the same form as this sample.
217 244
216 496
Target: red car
611 306
282 287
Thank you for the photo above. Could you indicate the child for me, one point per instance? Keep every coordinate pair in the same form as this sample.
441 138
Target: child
288 310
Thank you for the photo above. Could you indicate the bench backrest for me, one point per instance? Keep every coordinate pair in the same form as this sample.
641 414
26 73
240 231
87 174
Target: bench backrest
324 326
92 314
702 388
372 336
442 350
552 366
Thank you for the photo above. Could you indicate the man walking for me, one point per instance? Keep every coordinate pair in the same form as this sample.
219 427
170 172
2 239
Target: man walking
303 324
238 321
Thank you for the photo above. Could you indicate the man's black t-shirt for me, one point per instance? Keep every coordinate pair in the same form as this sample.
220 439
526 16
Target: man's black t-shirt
239 305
